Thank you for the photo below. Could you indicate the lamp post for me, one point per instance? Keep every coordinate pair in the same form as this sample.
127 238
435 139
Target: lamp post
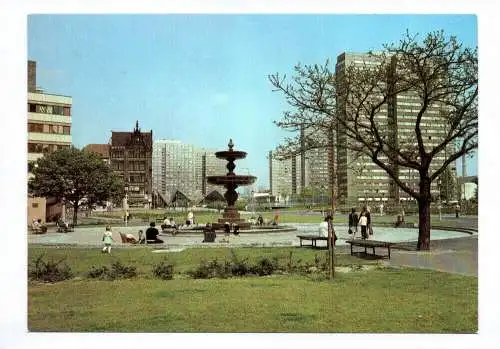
125 205
439 198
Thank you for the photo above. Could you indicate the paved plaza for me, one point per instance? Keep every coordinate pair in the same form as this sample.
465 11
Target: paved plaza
451 251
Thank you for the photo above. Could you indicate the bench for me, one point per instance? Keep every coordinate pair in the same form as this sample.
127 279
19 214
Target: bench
371 244
313 239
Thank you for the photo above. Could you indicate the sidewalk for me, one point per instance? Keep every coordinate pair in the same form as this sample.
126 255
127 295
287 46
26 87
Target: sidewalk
458 256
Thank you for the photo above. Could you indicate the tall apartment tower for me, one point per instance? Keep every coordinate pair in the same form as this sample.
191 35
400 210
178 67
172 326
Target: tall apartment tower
130 156
49 119
282 176
184 167
359 179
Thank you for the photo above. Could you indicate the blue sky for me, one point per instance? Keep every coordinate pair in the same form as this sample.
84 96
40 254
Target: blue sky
201 79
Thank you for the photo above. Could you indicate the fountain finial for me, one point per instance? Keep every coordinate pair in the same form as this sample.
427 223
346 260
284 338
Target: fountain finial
230 144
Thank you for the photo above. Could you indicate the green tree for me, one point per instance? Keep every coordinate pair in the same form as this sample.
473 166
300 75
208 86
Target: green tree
436 71
78 177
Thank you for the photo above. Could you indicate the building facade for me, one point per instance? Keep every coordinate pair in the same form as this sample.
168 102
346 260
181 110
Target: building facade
130 157
101 149
359 179
49 119
184 167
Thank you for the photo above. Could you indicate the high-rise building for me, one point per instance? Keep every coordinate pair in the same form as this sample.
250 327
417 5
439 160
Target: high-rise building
49 119
361 180
282 176
184 167
130 156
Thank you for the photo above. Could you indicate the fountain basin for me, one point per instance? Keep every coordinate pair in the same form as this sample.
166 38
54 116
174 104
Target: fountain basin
231 154
235 179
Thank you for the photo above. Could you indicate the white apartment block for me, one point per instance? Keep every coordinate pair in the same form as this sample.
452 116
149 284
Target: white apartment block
49 119
184 167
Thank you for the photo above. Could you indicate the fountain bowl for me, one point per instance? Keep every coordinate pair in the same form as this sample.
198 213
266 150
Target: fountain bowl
236 179
231 154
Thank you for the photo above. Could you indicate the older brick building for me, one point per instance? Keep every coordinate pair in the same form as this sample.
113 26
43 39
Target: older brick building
130 156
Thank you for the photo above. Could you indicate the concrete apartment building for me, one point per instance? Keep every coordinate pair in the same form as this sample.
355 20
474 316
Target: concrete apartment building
309 169
130 156
359 179
49 129
184 167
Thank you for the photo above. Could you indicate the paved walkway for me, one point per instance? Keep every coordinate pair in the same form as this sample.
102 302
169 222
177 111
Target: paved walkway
452 252
458 256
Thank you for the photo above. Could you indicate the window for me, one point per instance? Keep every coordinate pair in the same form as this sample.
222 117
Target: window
32 107
66 130
67 111
34 204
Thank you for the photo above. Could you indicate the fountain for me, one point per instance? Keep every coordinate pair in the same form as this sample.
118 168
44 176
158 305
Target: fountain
231 181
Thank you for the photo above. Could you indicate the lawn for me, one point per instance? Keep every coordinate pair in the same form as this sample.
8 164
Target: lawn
379 300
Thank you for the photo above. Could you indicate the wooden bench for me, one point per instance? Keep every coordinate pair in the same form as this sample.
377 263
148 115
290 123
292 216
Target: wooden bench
312 238
371 244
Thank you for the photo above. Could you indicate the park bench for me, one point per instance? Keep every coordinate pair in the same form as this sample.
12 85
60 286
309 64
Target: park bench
371 244
312 238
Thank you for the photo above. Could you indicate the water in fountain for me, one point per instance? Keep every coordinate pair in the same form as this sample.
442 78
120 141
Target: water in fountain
231 181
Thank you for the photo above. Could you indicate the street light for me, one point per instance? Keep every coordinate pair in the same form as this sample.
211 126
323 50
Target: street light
125 205
439 198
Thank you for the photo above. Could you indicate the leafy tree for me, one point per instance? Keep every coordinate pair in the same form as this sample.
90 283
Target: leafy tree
438 71
77 176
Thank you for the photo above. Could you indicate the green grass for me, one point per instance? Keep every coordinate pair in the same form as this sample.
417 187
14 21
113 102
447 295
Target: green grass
380 300
81 259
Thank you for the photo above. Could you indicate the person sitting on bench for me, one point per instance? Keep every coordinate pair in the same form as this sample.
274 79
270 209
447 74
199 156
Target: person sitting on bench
152 235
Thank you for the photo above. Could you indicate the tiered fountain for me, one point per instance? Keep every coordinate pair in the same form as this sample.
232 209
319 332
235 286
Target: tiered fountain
231 181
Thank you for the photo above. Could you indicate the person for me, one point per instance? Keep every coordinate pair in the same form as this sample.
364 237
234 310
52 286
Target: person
166 224
260 220
323 228
107 238
363 222
369 227
130 238
152 234
457 211
36 226
353 223
236 229
227 231
142 238
190 218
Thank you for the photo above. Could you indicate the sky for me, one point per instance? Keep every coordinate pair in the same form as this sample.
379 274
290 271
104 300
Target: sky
202 79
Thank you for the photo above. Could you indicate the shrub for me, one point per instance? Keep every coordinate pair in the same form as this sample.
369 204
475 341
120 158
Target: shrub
49 271
211 269
98 272
265 266
123 271
117 271
163 271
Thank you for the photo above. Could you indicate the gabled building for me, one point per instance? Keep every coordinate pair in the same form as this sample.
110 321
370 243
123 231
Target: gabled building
130 156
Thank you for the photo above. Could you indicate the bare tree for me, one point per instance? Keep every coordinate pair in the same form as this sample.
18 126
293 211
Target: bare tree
437 73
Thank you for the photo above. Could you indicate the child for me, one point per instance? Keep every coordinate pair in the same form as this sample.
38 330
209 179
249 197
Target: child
363 222
108 239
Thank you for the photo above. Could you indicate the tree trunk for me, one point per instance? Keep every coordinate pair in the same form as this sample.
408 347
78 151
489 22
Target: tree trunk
424 215
75 214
